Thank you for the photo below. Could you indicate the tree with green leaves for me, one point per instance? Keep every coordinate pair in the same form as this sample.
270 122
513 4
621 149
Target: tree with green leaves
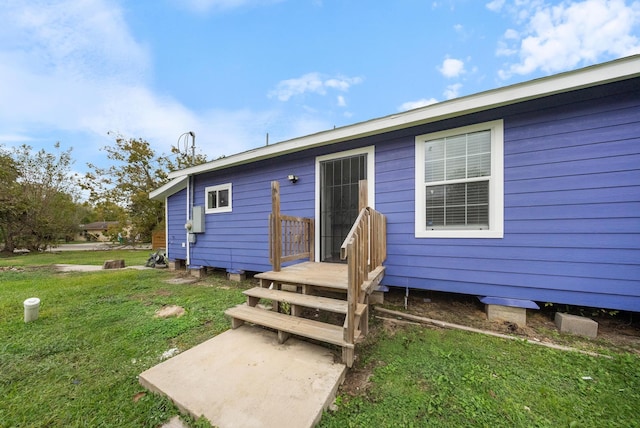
9 203
37 197
136 170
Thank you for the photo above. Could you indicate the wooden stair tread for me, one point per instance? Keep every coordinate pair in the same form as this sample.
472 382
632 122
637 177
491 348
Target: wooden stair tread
328 275
306 300
328 333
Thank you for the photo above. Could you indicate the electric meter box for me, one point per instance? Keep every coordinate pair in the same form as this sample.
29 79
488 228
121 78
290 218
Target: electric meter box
198 220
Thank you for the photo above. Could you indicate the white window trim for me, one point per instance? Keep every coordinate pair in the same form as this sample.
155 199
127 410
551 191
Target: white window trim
496 184
226 186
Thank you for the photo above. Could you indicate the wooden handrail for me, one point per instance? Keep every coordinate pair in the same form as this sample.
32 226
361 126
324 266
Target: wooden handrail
290 238
365 249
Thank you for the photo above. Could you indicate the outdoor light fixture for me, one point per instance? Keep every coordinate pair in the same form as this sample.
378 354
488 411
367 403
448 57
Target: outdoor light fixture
292 178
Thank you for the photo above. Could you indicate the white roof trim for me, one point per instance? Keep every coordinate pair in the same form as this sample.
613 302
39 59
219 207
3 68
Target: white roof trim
169 189
600 74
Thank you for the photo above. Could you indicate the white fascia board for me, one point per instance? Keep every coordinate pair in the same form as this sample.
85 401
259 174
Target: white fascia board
175 185
621 69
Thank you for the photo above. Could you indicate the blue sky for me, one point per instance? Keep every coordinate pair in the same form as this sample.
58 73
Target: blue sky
234 70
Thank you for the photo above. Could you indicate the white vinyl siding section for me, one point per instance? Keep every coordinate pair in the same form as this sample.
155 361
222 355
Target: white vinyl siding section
459 182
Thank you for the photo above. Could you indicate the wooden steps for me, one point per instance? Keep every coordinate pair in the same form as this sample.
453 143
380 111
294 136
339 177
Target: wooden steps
316 330
297 293
298 287
325 275
305 300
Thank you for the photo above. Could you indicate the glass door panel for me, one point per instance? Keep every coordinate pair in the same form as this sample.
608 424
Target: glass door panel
338 202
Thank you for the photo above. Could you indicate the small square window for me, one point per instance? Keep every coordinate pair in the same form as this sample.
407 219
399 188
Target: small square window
218 198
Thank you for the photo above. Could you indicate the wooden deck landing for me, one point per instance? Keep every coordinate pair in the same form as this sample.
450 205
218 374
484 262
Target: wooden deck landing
328 275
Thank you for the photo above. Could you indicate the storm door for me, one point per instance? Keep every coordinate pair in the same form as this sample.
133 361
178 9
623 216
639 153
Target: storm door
339 201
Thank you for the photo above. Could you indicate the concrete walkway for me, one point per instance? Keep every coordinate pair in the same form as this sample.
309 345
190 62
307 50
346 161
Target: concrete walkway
244 378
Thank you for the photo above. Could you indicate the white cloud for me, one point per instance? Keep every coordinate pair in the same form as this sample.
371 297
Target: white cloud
495 5
451 67
341 101
74 69
15 138
569 34
88 38
200 6
423 102
452 91
311 83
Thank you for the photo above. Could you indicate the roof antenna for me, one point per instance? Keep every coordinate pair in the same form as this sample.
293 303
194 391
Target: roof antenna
186 145
267 138
193 147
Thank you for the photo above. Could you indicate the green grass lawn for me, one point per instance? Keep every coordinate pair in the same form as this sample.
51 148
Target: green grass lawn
47 258
77 365
423 377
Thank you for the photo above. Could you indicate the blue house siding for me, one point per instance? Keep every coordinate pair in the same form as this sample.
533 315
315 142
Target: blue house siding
176 219
572 212
239 240
571 205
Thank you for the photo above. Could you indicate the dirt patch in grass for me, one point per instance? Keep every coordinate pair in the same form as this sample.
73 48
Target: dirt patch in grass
358 380
619 333
182 280
170 311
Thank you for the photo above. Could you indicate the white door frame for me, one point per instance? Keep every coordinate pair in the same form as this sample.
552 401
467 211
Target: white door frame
371 185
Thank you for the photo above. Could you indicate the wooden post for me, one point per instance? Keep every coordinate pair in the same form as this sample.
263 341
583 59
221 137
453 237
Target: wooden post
312 242
351 297
363 195
276 229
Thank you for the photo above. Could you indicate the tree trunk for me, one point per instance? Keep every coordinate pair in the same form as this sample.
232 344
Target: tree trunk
9 245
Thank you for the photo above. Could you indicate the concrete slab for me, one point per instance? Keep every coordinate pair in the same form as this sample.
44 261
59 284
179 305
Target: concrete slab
244 378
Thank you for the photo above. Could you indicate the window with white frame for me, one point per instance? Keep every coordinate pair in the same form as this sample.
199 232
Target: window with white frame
218 198
459 182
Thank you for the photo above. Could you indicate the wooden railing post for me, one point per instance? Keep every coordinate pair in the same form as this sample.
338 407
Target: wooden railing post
363 195
276 228
365 250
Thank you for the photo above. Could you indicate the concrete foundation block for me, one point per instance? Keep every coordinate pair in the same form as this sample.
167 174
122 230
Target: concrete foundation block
236 276
198 272
177 265
575 324
507 313
376 298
